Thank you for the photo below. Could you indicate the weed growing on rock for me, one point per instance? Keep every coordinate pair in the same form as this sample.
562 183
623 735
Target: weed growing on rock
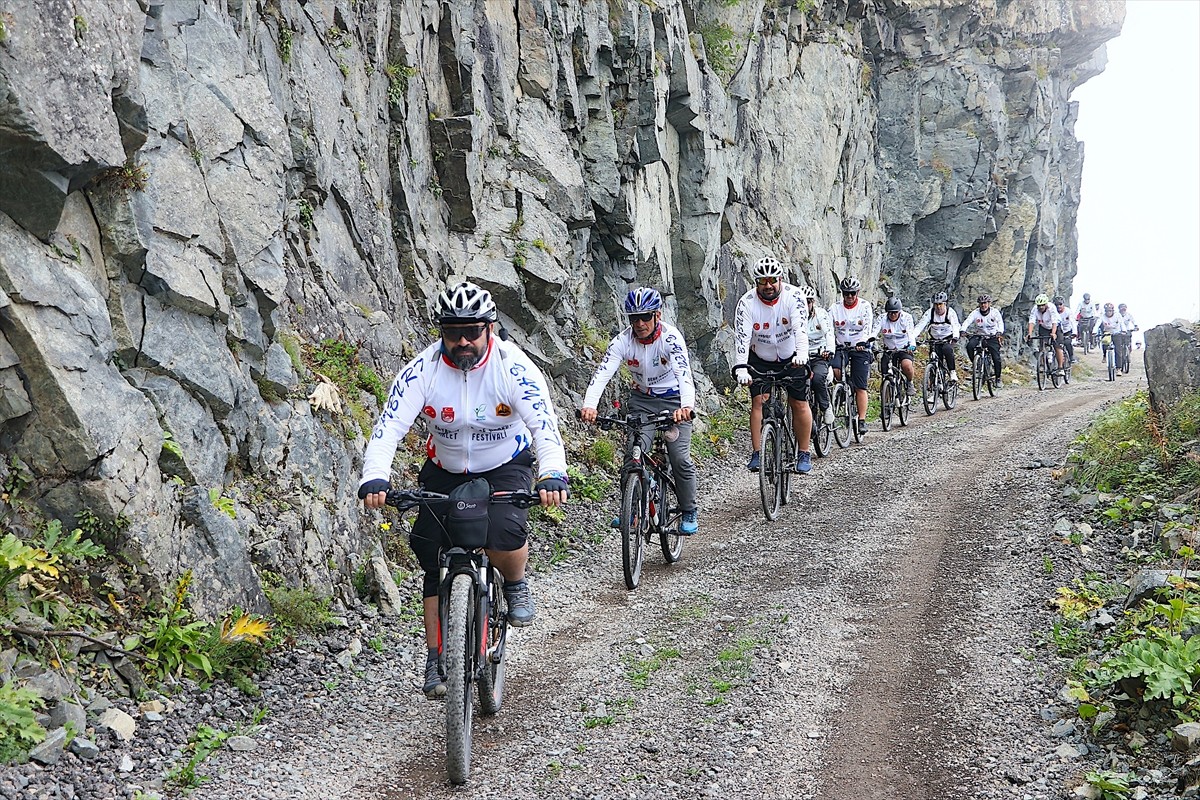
80 25
719 48
398 76
285 44
299 609
128 178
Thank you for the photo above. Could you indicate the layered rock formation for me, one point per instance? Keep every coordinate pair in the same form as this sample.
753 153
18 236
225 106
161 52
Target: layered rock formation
202 204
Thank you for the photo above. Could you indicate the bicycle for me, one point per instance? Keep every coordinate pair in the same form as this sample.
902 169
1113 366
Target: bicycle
649 502
1046 363
1110 355
777 441
844 402
472 613
1124 351
822 431
936 382
981 370
893 390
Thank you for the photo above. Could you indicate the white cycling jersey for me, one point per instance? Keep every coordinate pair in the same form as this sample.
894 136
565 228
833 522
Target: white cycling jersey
1085 311
852 325
478 420
1066 321
820 332
774 331
659 369
977 324
943 327
1045 319
895 334
1128 321
1106 324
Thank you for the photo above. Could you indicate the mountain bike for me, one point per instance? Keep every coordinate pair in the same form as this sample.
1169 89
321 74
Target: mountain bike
1124 350
844 402
1110 355
893 390
936 382
649 502
1046 363
472 614
981 370
777 441
822 431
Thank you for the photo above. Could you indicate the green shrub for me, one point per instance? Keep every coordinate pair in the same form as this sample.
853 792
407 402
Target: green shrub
299 609
19 730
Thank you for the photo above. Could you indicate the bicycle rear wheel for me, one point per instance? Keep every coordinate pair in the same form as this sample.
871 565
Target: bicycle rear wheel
950 394
887 399
1041 371
787 457
841 415
1052 368
768 475
668 535
977 376
633 527
904 404
929 394
1111 359
821 433
491 679
458 645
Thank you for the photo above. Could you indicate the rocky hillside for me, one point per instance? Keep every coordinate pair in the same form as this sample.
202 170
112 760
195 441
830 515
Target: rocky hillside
204 203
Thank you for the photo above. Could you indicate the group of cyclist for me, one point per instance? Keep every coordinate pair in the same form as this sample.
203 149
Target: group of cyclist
1062 328
488 407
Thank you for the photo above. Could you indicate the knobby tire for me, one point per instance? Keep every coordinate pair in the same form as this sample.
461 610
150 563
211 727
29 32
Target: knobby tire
929 393
668 536
841 415
904 403
458 645
887 400
976 377
768 475
633 528
491 680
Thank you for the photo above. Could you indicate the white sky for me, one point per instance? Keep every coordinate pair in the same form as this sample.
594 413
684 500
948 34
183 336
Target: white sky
1139 120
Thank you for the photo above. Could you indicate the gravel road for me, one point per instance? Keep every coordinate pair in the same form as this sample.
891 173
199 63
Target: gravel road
874 642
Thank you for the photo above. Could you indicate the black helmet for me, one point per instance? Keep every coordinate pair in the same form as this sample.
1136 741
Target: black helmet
893 304
1058 300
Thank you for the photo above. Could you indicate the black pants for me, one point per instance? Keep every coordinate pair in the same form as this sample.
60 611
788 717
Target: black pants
945 349
993 347
819 382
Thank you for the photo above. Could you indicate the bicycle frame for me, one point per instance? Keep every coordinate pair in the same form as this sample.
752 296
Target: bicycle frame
777 439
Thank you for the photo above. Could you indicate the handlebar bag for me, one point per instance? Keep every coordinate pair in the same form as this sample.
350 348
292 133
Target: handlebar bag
467 520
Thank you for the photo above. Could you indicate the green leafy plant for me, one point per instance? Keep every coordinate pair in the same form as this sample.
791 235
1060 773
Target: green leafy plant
128 178
285 44
592 485
304 212
18 558
1168 666
203 743
639 670
1111 785
398 77
719 47
19 729
171 640
171 446
222 503
299 609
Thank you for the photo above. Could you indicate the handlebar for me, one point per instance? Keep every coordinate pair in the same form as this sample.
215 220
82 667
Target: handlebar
404 499
661 421
773 377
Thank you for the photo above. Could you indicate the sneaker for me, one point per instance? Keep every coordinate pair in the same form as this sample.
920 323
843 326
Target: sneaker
804 463
862 428
829 418
755 462
521 609
912 389
954 376
616 522
690 522
434 686
999 383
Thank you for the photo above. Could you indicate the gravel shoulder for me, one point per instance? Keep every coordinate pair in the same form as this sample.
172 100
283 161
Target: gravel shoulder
871 643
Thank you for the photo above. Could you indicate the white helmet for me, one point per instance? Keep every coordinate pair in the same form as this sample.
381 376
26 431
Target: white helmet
465 302
809 292
766 267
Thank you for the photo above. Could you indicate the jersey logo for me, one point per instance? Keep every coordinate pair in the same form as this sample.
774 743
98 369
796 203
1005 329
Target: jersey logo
479 415
503 410
429 412
633 362
784 321
757 326
663 360
448 414
766 325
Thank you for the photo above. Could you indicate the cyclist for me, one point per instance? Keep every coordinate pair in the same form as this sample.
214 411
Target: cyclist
820 348
485 403
1046 320
657 358
942 322
896 330
771 329
1066 326
852 325
1130 326
985 326
1111 323
1086 315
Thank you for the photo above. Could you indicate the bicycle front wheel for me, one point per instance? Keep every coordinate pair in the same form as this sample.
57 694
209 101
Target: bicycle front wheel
768 475
929 393
458 645
841 415
977 376
821 433
1041 371
491 679
950 394
904 403
668 536
887 399
1111 359
633 527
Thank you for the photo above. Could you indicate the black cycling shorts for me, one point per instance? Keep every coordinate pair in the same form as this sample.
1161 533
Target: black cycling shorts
860 366
796 391
507 524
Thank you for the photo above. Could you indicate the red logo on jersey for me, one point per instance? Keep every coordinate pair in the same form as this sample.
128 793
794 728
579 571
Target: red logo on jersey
429 412
757 326
503 410
633 362
448 414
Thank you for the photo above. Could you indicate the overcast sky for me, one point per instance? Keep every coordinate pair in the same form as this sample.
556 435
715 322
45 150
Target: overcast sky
1139 120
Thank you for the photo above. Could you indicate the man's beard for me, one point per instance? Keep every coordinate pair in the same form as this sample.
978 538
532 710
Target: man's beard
465 358
767 295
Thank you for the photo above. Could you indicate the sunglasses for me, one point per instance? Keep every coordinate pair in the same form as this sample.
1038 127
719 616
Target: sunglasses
454 333
646 317
766 281
849 294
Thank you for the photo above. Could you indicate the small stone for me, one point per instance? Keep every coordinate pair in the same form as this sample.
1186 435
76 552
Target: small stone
814 734
152 716
120 723
241 744
1186 736
126 763
1064 727
84 748
1067 751
151 705
50 749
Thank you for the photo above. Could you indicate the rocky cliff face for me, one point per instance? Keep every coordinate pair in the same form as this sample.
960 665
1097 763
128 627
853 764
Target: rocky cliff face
205 202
